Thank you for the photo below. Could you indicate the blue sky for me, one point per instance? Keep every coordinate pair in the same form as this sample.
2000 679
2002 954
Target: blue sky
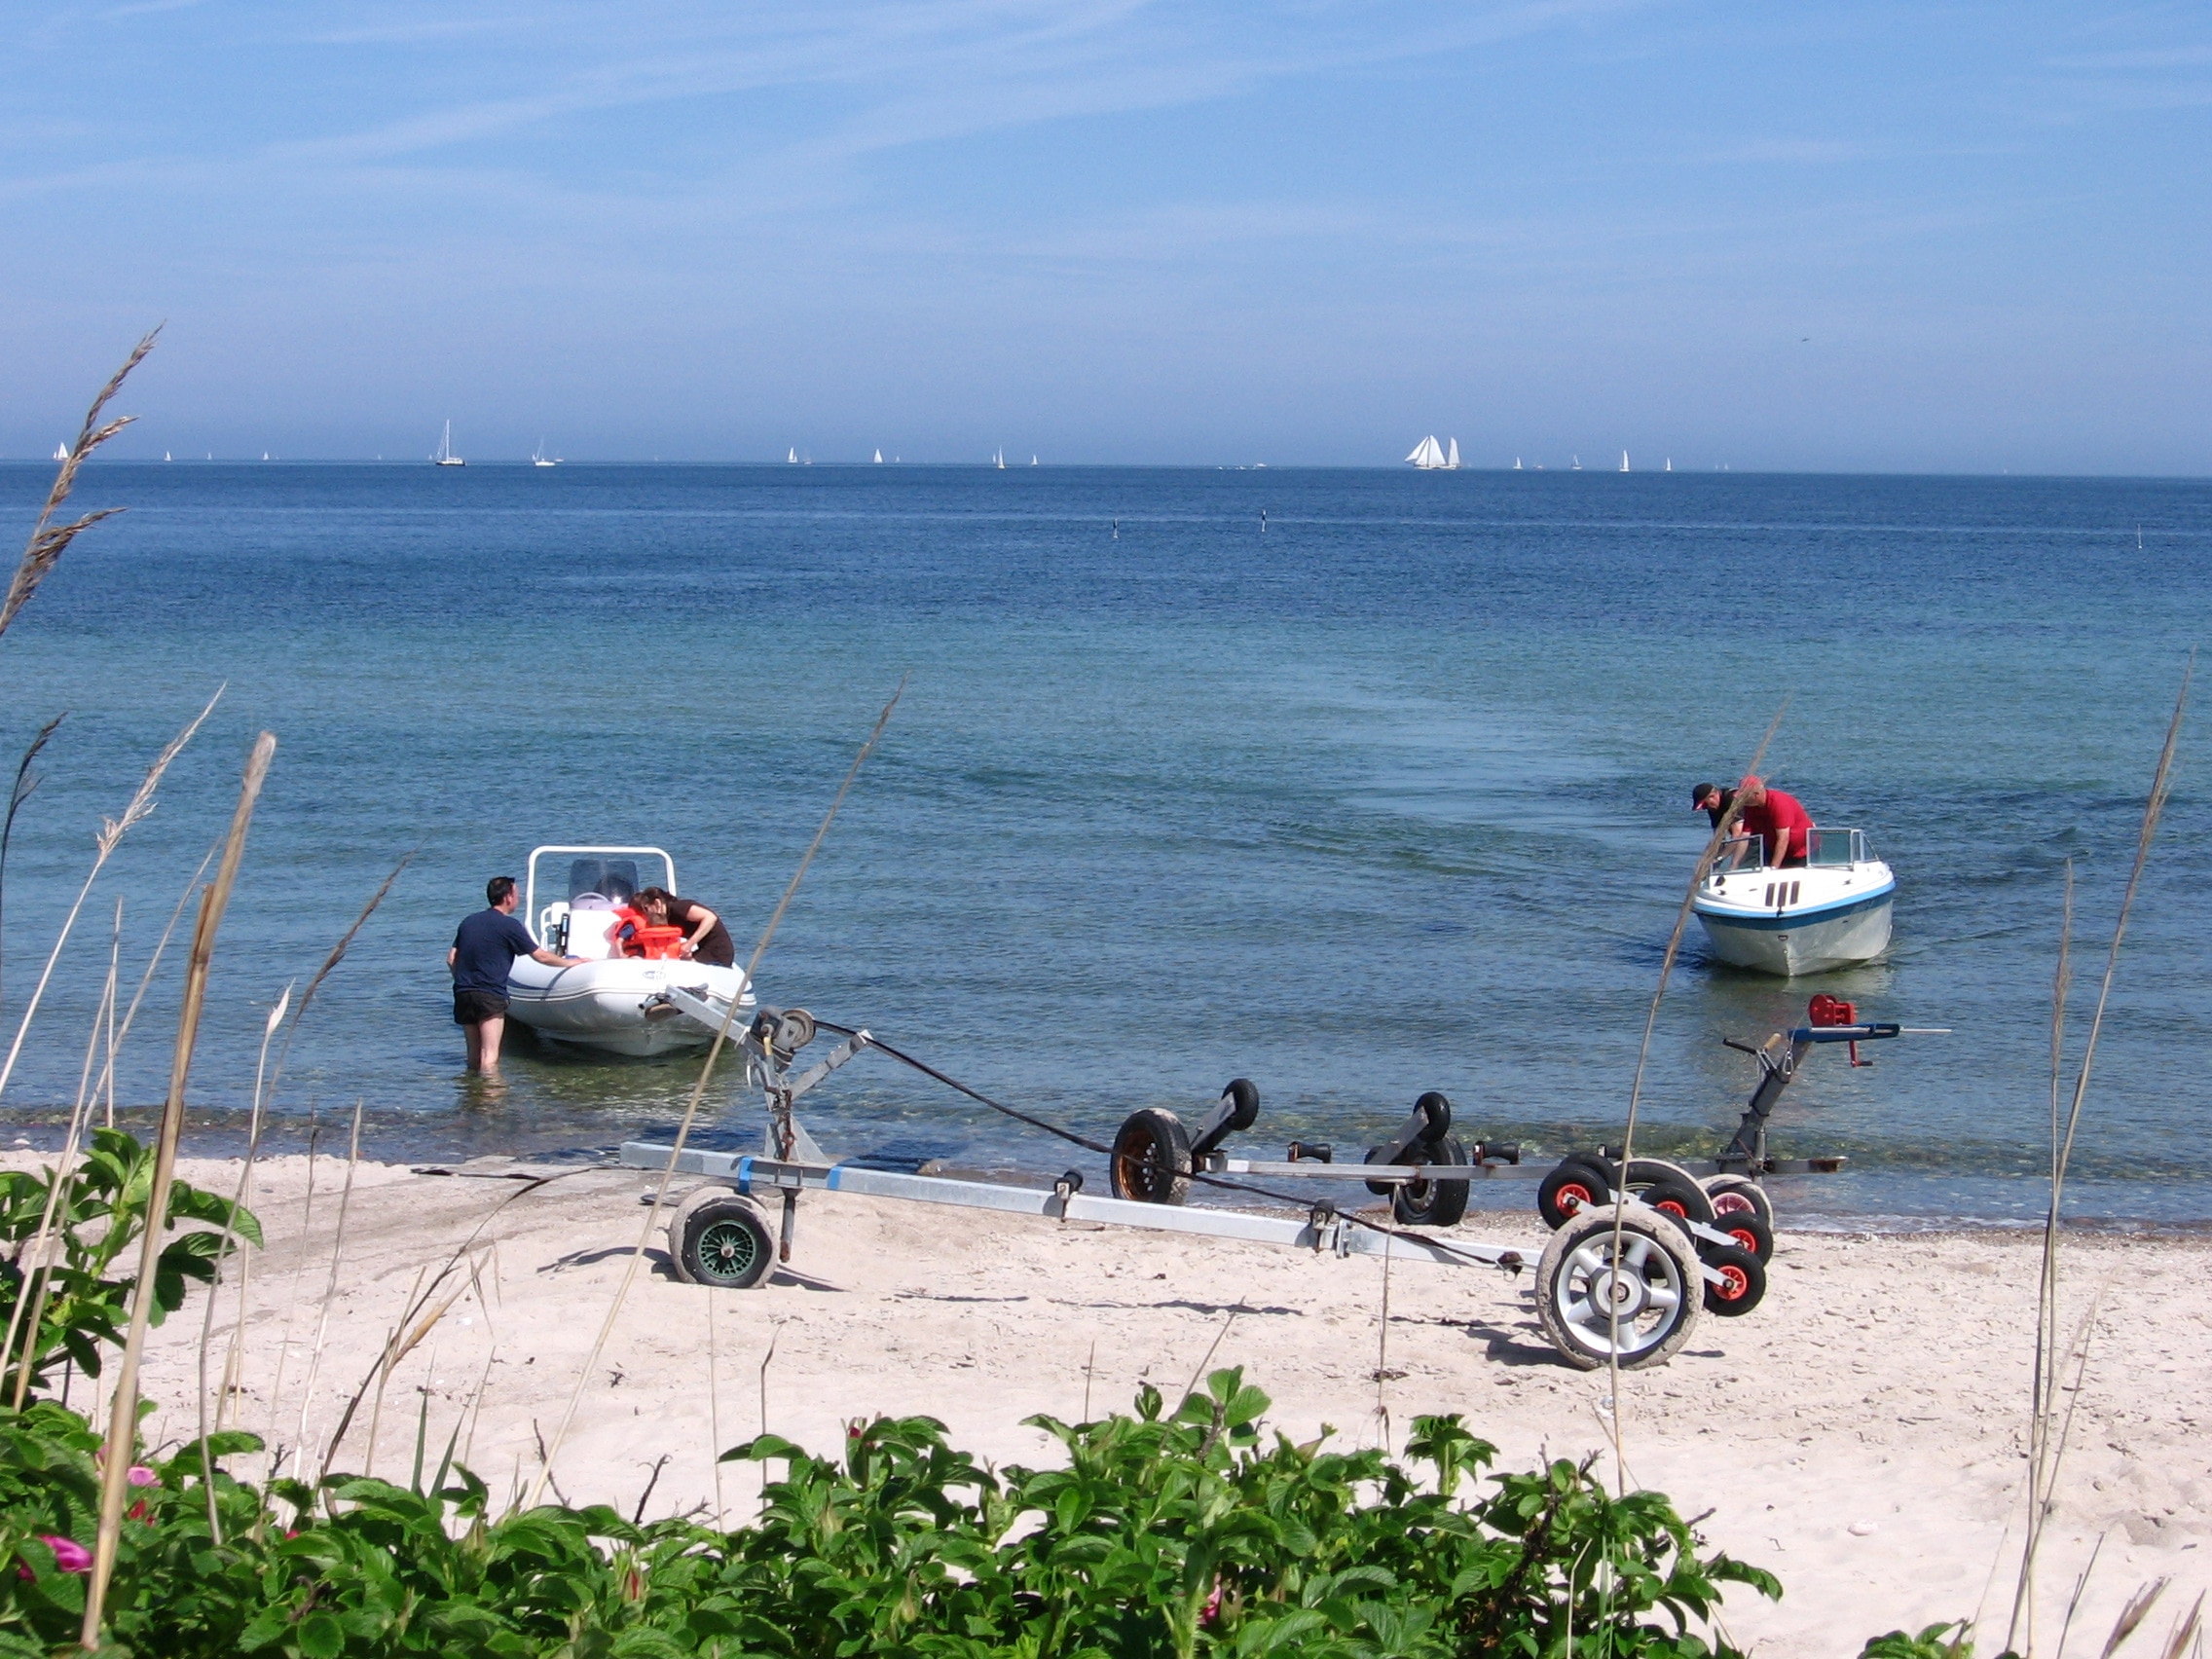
1965 236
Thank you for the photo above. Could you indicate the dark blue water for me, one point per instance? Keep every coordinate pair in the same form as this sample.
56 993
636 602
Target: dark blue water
1390 797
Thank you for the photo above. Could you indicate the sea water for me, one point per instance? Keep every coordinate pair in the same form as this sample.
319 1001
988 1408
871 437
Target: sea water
1390 795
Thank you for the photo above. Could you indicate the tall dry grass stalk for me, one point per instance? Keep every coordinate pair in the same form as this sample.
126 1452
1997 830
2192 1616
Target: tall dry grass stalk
222 1253
265 1081
136 811
146 978
26 783
699 1093
111 833
40 1290
50 540
1719 837
123 1417
2047 1433
330 1287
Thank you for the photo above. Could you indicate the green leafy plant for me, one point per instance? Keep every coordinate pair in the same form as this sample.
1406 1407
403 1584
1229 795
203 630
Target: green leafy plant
62 1246
1184 1534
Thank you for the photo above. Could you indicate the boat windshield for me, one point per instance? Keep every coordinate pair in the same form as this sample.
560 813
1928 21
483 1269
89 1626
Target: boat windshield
590 879
1837 847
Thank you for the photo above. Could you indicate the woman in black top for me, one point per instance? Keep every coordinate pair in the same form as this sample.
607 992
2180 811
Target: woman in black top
705 938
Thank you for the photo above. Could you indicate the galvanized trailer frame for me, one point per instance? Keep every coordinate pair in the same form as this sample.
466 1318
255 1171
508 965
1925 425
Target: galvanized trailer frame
1586 1301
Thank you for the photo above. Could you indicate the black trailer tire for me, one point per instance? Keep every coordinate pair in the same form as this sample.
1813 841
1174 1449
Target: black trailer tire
1749 1231
1744 1285
1246 1094
1432 1202
1671 1188
1738 1193
1151 1159
1572 1188
1656 1293
723 1244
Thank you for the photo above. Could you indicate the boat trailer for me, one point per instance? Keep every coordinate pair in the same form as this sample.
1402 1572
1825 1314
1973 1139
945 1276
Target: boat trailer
1621 1279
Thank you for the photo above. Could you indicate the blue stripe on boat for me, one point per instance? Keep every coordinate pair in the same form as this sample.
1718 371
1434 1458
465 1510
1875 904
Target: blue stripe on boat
1768 922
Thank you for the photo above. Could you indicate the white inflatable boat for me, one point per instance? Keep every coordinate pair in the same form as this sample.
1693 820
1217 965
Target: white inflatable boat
1831 912
575 901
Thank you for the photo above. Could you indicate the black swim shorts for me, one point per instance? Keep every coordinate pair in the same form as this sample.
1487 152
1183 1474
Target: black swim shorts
474 1008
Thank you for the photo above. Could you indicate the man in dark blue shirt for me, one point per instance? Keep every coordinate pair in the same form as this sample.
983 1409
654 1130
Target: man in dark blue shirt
484 950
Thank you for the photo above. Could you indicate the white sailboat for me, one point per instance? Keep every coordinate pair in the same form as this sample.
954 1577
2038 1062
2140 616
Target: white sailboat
1577 466
445 456
537 457
998 460
1452 458
1670 463
1032 460
1428 456
61 452
879 458
165 455
1624 460
1517 463
792 455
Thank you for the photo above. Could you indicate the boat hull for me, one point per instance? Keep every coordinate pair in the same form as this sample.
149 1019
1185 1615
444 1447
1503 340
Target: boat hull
1806 939
618 1005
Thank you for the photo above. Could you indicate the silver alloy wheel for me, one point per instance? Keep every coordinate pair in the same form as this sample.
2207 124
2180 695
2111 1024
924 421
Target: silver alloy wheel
1646 1304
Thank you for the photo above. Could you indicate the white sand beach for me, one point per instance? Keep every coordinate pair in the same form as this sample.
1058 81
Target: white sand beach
1862 1434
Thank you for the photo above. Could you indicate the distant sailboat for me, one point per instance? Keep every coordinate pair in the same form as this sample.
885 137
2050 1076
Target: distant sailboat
445 456
1451 459
1577 467
998 460
1517 463
1032 460
879 458
61 452
1624 460
1428 456
537 456
1670 463
264 455
792 455
165 455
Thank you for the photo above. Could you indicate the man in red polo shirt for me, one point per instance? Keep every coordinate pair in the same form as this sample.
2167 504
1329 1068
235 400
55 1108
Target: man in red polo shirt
1776 818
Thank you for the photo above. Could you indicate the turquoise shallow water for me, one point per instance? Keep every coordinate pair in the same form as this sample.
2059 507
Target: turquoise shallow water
1389 798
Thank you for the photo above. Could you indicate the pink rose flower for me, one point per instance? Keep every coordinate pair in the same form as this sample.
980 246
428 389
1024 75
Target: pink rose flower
140 1475
68 1555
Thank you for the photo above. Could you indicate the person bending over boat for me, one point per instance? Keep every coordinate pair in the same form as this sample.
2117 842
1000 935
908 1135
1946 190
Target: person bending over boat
705 938
484 950
1778 819
1713 800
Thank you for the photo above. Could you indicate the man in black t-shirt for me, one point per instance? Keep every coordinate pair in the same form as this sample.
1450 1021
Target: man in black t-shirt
484 950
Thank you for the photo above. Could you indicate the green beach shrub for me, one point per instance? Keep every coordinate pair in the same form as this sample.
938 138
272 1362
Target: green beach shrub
98 1216
1164 1534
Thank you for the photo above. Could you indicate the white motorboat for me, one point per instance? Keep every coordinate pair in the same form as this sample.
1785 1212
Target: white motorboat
575 901
1831 912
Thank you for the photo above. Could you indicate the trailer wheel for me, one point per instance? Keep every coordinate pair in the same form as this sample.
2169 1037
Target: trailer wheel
1427 1202
1743 1282
1246 1094
1151 1159
1733 1193
1671 1188
1574 1185
1749 1231
723 1244
1643 1307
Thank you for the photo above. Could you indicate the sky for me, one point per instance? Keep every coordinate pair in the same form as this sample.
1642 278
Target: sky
1865 237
